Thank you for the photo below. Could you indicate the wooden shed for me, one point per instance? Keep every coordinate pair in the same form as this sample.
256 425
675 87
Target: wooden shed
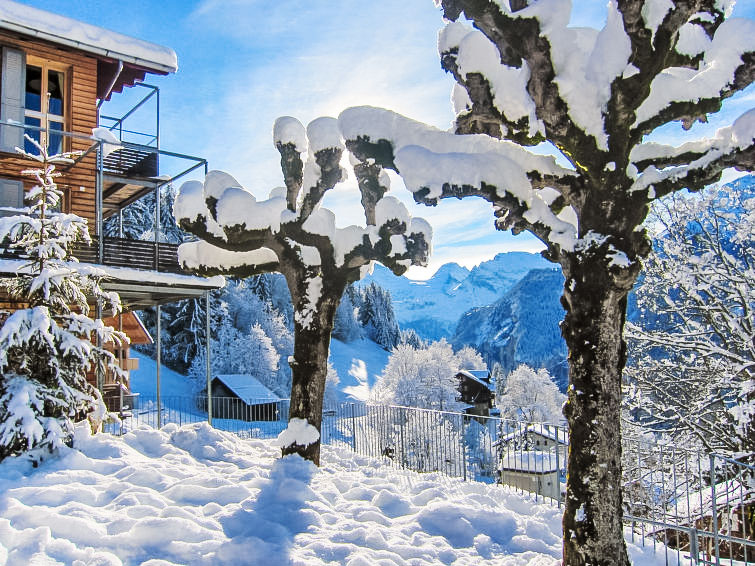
242 397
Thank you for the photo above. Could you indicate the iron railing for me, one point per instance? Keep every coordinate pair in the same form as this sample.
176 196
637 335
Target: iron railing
696 508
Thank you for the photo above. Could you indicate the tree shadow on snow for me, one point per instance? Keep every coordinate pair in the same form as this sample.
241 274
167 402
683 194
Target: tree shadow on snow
262 531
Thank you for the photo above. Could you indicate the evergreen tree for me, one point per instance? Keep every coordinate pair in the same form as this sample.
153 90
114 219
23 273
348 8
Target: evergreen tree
47 348
377 316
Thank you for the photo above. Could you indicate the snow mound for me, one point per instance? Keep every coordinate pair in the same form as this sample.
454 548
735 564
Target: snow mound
196 496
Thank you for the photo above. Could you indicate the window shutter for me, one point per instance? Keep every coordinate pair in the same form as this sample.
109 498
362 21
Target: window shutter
11 194
12 98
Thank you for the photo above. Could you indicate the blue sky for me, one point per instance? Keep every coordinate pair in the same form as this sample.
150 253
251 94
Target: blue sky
243 63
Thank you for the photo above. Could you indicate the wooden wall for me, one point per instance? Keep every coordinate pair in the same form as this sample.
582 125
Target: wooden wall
78 183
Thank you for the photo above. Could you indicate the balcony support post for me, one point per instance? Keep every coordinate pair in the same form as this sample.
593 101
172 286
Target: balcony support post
98 370
208 369
120 223
157 228
98 207
159 361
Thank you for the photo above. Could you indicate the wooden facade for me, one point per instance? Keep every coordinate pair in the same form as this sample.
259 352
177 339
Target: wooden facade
78 182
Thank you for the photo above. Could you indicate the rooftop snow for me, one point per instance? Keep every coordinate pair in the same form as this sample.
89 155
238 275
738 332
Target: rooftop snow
247 387
93 39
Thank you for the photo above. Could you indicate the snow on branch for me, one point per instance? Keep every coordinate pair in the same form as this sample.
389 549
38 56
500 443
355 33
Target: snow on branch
436 164
694 164
244 235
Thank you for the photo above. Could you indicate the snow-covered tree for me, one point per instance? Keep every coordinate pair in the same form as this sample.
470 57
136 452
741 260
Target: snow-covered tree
47 348
424 377
292 234
377 316
346 327
693 351
531 396
524 76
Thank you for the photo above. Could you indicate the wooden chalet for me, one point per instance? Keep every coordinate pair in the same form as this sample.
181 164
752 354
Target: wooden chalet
476 388
57 76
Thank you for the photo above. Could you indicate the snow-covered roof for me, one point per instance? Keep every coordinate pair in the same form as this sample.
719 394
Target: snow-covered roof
478 375
247 387
550 432
532 461
86 37
16 266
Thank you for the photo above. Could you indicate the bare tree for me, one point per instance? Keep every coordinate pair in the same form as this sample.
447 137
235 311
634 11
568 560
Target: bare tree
292 234
523 77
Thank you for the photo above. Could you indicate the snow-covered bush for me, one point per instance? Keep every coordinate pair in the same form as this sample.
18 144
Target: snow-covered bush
47 348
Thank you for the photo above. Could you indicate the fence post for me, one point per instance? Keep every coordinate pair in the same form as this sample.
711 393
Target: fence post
714 506
353 429
694 552
558 466
402 419
463 449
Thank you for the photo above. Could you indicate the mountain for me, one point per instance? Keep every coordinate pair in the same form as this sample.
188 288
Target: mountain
433 307
521 327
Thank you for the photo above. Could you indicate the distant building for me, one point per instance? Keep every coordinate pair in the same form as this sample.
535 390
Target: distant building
477 389
242 397
533 459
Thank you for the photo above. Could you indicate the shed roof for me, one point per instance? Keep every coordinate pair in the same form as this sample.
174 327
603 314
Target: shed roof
532 461
551 432
247 387
63 30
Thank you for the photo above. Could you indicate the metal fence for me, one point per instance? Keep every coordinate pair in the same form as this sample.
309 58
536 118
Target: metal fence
696 508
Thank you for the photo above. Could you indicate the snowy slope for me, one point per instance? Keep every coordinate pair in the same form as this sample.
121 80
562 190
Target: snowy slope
433 307
357 363
521 327
200 497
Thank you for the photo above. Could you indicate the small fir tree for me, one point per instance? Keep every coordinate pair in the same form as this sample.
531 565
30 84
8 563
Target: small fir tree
47 348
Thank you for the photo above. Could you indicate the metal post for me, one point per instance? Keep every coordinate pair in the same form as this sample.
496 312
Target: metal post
208 366
99 374
558 468
98 205
353 429
157 228
120 364
694 552
120 223
714 506
159 352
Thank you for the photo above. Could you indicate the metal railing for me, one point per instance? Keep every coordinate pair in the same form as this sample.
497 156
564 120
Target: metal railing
696 508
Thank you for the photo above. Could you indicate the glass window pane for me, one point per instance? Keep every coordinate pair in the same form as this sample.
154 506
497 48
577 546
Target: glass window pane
33 88
55 90
28 146
55 144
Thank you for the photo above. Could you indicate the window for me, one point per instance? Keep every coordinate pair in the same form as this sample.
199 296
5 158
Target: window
45 104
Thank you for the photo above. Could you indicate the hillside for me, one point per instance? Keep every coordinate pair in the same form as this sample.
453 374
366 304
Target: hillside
521 327
433 307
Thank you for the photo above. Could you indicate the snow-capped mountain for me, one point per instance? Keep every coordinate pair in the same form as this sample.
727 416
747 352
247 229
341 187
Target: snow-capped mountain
433 307
521 327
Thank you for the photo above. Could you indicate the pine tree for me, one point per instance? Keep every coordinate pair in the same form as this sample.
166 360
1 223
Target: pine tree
46 349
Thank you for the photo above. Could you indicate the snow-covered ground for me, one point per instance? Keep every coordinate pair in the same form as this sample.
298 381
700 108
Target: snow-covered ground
198 496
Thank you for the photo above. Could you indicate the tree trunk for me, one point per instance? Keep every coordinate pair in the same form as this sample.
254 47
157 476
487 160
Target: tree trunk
595 303
309 370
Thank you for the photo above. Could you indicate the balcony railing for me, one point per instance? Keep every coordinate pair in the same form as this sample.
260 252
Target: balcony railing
120 252
137 254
